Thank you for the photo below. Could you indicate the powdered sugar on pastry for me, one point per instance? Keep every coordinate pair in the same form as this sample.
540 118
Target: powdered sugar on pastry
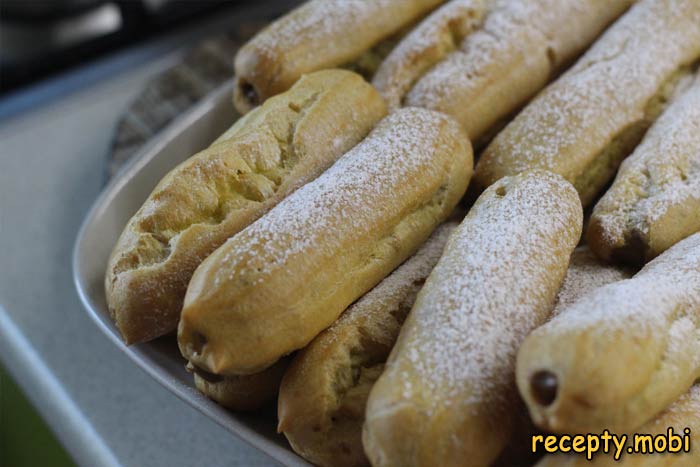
323 395
673 277
319 34
504 20
304 220
586 273
662 176
438 35
622 353
509 243
609 90
274 286
606 83
450 374
201 203
315 20
512 54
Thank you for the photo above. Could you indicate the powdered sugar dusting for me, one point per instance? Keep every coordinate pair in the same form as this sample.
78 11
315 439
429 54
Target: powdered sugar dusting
605 92
505 22
666 290
511 55
586 273
663 172
312 21
328 24
429 41
495 282
368 181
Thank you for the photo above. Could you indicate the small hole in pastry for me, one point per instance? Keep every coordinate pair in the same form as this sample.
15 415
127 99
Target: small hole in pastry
249 92
207 376
501 191
544 386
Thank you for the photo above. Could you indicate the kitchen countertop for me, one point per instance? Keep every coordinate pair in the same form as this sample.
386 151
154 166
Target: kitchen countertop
104 409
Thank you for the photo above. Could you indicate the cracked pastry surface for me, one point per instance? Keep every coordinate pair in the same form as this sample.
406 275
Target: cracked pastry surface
318 34
584 124
448 391
275 285
440 34
216 193
621 354
654 201
480 60
321 405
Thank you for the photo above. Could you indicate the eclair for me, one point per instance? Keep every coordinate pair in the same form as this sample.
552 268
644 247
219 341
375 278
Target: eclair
655 199
319 34
585 123
448 393
481 60
321 405
216 193
682 415
275 285
620 354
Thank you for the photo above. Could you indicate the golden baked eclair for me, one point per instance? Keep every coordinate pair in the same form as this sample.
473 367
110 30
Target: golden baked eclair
430 42
205 200
321 405
319 34
655 199
274 286
241 393
681 415
584 124
481 60
448 392
585 274
621 354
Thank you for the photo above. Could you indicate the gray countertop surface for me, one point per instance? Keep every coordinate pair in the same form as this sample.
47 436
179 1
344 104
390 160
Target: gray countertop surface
104 409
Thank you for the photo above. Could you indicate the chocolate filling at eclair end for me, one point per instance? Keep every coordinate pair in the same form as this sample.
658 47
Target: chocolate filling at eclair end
249 93
544 387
